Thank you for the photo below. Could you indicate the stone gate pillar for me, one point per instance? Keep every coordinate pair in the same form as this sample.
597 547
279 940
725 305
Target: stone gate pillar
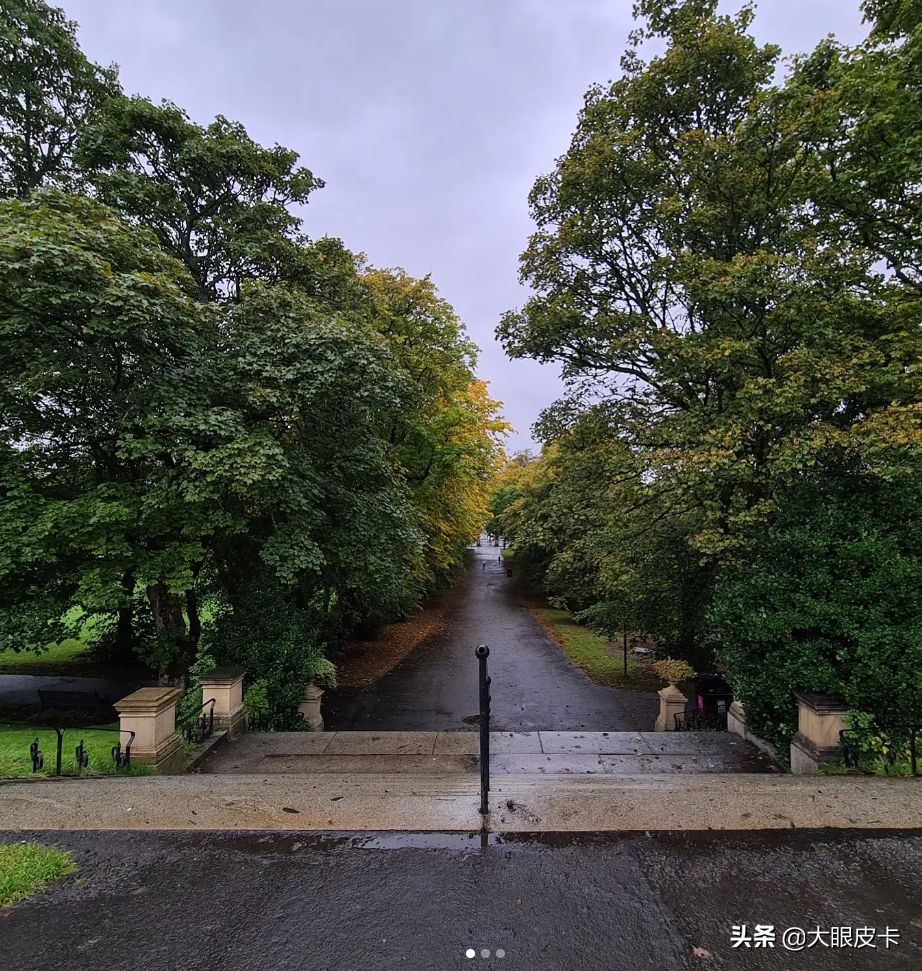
151 714
671 703
820 718
310 706
225 685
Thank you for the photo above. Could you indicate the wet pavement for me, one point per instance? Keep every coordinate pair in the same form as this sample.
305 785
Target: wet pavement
22 689
523 753
535 685
422 902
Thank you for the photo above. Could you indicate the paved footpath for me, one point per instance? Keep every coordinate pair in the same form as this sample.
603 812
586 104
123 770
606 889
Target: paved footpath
23 689
517 753
341 902
535 685
520 803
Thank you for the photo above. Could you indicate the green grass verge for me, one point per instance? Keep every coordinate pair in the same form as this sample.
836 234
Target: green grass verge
592 653
16 763
26 868
34 662
52 655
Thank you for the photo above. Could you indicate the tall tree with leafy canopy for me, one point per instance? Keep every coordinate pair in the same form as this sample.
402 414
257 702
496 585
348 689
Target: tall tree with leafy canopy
49 91
677 274
217 200
868 119
601 543
152 441
828 601
447 439
199 402
97 329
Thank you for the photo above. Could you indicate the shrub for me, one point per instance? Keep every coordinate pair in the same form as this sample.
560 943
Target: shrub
277 641
827 600
673 670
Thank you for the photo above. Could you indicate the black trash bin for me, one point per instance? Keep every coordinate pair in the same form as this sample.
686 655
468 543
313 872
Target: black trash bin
714 694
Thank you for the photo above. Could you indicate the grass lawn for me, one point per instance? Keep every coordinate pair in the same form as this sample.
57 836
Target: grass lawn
55 655
15 761
592 653
25 868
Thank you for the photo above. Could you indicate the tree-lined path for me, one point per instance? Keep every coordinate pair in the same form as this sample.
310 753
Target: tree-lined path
535 686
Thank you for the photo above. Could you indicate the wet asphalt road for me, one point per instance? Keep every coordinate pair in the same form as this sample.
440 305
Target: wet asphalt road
242 902
535 685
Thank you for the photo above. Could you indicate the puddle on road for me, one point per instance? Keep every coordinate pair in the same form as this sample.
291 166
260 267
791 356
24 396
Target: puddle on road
293 842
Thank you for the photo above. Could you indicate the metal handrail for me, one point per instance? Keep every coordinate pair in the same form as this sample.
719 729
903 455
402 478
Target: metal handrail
203 725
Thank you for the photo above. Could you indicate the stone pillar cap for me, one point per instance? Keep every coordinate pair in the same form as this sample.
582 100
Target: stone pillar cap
223 675
148 699
821 704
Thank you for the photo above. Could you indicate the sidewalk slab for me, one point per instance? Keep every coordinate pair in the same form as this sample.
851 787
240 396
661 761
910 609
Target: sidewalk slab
609 743
546 764
519 803
381 743
457 743
515 743
375 764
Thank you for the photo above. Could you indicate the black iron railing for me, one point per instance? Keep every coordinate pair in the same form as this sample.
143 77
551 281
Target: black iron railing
260 719
896 750
701 720
121 757
483 652
203 726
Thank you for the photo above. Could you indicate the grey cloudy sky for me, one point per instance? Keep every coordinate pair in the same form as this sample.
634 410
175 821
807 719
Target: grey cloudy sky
428 119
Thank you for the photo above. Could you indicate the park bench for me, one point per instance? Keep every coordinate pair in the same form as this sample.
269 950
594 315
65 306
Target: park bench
49 699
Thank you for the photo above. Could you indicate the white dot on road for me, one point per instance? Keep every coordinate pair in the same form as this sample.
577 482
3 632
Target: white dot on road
485 953
500 953
470 953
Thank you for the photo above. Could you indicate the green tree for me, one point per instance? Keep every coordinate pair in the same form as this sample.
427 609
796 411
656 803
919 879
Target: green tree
602 542
199 403
868 120
155 443
217 200
49 91
677 275
96 327
447 437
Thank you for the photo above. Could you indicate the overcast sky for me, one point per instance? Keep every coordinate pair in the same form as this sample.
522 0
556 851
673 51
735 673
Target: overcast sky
428 119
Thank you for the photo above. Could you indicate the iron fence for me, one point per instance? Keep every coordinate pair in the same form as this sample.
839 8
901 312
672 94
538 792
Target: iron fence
701 720
260 719
121 757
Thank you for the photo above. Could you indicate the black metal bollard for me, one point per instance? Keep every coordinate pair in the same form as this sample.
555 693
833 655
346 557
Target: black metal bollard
60 732
483 652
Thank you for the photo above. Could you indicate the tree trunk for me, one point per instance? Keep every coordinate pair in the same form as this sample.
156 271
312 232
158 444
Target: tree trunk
123 645
195 622
170 625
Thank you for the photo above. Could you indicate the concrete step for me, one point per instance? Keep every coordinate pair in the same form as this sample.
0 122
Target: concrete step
449 803
511 753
